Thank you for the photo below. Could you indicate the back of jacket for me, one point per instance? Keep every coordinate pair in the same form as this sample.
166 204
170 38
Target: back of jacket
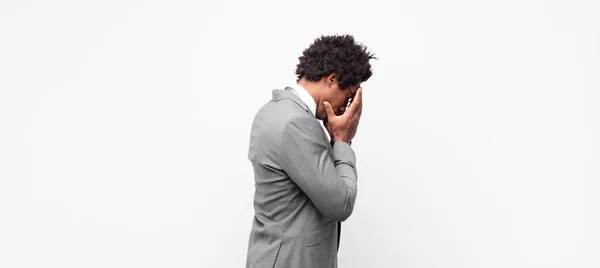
304 186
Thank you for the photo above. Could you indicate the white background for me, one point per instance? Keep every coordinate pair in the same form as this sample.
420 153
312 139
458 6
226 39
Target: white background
125 127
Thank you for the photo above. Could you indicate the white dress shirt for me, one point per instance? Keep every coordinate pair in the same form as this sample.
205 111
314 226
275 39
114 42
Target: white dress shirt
305 97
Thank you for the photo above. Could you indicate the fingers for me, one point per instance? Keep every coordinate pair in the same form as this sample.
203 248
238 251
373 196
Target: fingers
357 101
356 105
329 110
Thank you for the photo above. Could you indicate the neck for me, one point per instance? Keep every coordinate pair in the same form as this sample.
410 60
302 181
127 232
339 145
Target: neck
312 88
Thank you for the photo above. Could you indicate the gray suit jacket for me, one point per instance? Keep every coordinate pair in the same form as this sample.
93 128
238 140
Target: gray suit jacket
304 187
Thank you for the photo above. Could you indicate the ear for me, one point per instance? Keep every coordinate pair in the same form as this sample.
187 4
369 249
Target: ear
332 79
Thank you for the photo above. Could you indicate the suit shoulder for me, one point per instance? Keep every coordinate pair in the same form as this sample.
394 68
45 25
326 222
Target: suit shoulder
277 113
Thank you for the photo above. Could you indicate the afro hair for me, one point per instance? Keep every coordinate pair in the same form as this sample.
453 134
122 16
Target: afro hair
336 54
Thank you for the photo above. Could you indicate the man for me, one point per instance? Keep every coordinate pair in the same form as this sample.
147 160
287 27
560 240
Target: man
305 184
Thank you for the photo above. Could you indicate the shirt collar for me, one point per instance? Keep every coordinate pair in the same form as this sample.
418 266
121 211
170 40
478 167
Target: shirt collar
305 97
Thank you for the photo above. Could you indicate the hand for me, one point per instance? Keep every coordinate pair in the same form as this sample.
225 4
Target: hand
343 127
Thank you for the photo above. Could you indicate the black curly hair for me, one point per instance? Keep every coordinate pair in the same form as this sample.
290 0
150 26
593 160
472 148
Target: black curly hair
339 54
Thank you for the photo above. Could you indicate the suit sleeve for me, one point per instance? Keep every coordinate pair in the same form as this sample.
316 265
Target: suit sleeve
329 183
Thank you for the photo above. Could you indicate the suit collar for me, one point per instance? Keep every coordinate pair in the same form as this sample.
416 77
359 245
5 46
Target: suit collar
305 97
279 94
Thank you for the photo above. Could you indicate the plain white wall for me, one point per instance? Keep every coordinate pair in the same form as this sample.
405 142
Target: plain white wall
125 126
